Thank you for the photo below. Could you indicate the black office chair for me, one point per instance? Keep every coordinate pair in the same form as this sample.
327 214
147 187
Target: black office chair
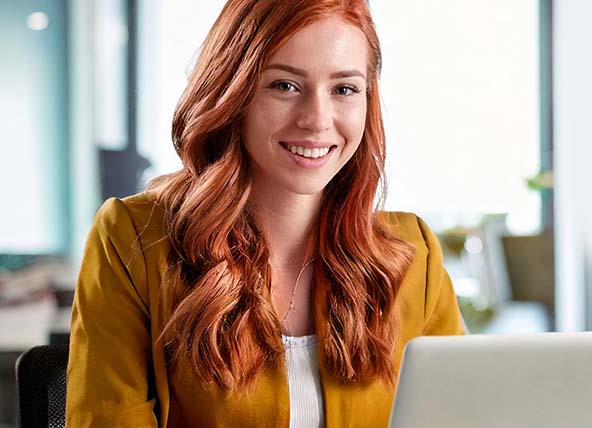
41 387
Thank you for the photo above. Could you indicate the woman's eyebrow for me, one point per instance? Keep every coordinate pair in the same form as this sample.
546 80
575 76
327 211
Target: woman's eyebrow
300 72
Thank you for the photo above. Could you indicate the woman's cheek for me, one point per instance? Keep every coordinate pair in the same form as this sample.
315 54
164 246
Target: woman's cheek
353 122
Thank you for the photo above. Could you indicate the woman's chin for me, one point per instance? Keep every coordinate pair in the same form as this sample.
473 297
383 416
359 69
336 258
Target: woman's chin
313 188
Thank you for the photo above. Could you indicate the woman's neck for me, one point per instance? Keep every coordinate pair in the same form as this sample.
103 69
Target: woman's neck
287 219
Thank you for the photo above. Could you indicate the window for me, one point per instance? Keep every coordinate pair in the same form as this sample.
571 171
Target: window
460 88
33 128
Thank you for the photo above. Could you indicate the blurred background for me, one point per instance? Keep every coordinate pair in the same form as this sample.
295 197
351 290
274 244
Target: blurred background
489 126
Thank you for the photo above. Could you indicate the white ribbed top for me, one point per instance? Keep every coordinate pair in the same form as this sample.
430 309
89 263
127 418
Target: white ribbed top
306 396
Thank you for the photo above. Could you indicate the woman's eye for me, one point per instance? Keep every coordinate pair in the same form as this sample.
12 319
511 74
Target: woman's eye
284 86
346 90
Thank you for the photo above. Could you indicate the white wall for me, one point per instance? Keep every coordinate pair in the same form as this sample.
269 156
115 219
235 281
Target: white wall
572 115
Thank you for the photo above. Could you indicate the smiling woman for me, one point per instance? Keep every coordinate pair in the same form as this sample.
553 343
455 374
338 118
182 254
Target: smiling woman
308 102
259 286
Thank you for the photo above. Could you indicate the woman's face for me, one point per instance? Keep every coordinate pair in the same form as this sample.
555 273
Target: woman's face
308 114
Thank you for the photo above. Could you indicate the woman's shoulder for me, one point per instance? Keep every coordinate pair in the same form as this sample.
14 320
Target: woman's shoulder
140 209
409 227
135 221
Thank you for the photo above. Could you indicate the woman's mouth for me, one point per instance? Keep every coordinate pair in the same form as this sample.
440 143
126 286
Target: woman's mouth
308 153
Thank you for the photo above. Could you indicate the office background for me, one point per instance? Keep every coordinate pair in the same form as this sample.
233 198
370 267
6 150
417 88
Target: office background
487 112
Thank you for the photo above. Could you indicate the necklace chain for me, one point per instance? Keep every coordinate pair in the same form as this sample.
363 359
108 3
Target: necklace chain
292 297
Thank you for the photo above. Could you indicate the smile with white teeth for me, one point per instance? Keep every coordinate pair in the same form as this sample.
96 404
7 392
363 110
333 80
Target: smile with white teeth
309 153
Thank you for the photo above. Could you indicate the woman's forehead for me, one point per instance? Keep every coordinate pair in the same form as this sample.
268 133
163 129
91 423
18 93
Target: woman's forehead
331 44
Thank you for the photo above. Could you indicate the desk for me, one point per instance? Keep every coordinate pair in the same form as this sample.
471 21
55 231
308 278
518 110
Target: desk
519 317
29 325
23 327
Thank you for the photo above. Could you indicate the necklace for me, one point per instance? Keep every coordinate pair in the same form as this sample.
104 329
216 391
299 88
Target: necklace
292 297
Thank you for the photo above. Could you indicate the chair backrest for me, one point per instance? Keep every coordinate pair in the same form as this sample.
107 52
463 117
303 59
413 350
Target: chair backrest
41 387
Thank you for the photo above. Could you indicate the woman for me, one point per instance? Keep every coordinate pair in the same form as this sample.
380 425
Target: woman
257 287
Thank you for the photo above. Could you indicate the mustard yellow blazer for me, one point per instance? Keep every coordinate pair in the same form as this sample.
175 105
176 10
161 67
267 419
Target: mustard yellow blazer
117 376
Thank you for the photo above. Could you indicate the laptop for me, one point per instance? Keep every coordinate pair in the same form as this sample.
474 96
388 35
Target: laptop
496 381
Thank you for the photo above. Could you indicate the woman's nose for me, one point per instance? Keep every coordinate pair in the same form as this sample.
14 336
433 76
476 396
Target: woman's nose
315 113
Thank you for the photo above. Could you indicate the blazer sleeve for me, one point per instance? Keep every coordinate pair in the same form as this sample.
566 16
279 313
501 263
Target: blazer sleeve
109 365
441 311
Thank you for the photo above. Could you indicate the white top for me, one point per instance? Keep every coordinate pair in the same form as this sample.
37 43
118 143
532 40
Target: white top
306 397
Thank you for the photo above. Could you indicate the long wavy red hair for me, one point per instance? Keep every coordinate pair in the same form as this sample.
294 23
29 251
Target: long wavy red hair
221 324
